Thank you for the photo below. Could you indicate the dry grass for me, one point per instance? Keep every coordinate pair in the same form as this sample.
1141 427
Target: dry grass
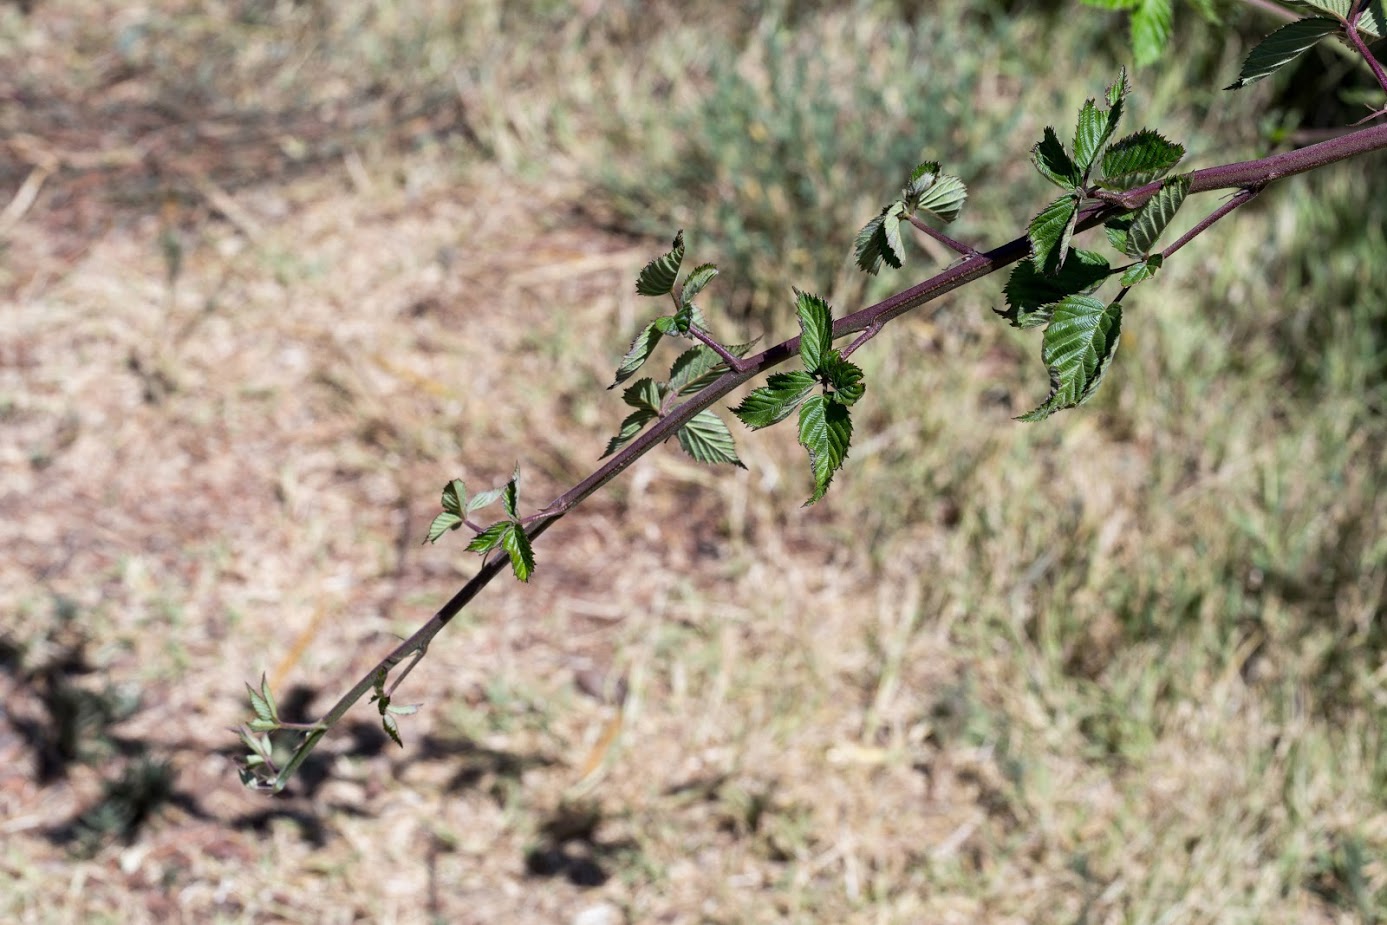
1123 667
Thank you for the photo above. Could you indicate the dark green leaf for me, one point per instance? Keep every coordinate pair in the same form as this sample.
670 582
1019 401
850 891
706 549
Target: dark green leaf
640 351
698 277
644 393
775 401
816 329
1030 294
1139 272
669 324
1050 232
1372 22
517 546
1283 46
1155 214
634 423
489 538
1077 349
1053 163
510 495
1138 159
454 496
844 377
880 240
658 276
707 439
1091 132
825 430
442 524
1116 230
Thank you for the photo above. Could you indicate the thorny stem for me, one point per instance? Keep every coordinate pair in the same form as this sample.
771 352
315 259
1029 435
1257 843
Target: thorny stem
957 247
1247 174
703 337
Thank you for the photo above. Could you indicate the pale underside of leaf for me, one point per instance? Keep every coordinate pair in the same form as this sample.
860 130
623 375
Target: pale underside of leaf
1282 47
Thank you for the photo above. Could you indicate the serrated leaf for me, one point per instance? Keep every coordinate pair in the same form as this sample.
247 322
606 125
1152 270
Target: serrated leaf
489 538
1155 214
634 424
1372 21
510 494
1050 231
640 352
1138 159
944 198
1053 163
392 728
263 725
658 276
774 402
517 545
1151 27
1031 295
669 325
698 277
482 498
816 329
644 393
442 524
880 240
1091 132
1140 272
1283 46
260 705
454 496
696 367
707 439
844 377
921 178
825 430
1077 349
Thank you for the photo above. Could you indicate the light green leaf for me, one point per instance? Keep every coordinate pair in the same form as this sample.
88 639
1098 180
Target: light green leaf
482 498
774 402
1140 272
454 496
644 393
1053 163
489 538
1050 232
1372 21
944 198
1031 295
816 329
442 524
1283 46
658 276
920 180
634 423
880 240
1151 27
1077 349
392 728
1155 214
640 352
698 277
845 379
260 704
707 439
517 546
1138 159
825 430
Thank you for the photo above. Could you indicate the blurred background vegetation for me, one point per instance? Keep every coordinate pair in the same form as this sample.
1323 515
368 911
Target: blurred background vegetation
1135 656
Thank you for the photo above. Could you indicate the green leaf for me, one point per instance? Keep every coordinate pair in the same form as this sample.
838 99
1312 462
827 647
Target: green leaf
658 276
816 329
1053 163
634 423
1091 132
1372 21
1283 46
1031 295
482 498
517 546
640 352
774 402
260 703
920 180
698 277
1140 272
707 439
1050 232
944 198
825 430
669 324
442 524
698 366
1138 159
454 496
510 495
644 394
1151 27
1077 349
1155 214
392 728
880 240
489 538
844 377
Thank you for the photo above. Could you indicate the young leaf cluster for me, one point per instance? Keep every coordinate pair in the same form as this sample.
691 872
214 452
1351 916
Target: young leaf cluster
1055 288
388 710
508 534
825 423
926 191
1330 17
705 437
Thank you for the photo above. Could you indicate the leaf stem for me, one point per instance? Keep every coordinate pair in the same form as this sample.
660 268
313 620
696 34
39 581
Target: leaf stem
733 363
1351 27
957 247
1241 197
